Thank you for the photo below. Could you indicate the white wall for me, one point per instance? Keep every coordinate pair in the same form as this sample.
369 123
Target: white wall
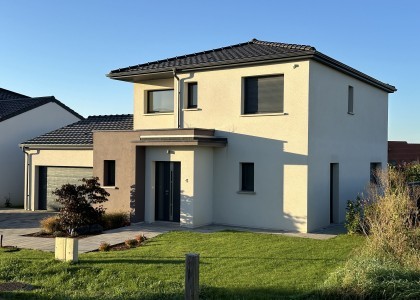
352 141
19 129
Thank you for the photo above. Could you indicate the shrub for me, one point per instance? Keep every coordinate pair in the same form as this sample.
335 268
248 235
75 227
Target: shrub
50 224
354 216
7 201
373 278
104 247
140 238
76 204
114 220
390 214
131 243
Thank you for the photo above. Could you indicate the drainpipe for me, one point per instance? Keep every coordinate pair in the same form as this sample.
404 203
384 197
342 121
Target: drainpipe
179 98
28 171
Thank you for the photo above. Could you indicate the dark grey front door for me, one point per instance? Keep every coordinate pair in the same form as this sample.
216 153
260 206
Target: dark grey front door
167 191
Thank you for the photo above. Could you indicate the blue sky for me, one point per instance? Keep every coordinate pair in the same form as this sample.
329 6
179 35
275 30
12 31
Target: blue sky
65 48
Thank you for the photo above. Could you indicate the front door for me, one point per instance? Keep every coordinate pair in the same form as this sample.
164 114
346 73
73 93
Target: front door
167 191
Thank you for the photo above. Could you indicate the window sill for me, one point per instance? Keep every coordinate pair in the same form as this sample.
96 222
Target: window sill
158 114
110 187
191 109
246 192
264 115
350 113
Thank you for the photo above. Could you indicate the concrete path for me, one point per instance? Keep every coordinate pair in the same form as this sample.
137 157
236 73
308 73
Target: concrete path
15 223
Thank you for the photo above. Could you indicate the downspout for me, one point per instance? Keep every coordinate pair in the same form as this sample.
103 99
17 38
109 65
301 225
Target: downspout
179 98
28 171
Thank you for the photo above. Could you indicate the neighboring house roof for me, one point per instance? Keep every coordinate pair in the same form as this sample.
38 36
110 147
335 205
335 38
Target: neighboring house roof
81 132
251 52
403 152
7 95
10 107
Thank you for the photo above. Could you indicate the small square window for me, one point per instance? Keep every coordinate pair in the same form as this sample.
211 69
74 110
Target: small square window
247 177
160 101
192 95
109 172
350 102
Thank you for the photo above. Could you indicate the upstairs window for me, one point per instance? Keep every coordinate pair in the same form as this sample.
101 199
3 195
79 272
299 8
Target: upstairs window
247 177
109 173
160 101
350 102
192 95
264 94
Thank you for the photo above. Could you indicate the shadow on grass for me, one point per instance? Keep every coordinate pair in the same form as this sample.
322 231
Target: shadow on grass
206 292
158 260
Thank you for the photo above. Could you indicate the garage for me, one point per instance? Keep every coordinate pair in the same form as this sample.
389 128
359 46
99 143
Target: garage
51 178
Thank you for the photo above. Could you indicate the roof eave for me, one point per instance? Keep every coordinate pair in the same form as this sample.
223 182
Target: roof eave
135 76
125 76
56 146
329 61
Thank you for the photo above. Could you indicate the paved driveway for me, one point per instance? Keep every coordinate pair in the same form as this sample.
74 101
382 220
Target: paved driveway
19 219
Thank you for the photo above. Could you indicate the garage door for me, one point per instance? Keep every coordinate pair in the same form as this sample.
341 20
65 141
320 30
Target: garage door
51 178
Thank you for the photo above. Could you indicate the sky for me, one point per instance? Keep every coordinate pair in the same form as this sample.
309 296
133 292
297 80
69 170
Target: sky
65 48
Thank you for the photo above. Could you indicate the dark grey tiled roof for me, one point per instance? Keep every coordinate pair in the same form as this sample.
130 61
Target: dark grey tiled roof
254 49
80 133
7 95
13 107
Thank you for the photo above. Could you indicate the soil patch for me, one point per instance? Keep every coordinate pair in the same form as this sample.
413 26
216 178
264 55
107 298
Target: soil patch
51 236
15 286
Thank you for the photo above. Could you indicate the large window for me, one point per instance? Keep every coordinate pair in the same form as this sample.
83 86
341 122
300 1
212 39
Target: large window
161 101
109 173
247 177
264 94
192 95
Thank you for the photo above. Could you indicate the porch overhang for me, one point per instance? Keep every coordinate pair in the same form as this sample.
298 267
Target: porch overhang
180 137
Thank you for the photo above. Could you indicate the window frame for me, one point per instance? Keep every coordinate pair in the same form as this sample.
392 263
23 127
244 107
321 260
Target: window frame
190 100
243 181
350 100
244 96
109 172
149 111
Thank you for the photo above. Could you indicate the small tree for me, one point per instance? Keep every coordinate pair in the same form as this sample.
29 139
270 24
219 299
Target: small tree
76 203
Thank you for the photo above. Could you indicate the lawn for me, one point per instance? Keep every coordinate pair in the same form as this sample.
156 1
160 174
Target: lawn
233 265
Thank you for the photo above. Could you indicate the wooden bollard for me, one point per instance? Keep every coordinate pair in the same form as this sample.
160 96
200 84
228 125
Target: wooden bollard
1 241
192 261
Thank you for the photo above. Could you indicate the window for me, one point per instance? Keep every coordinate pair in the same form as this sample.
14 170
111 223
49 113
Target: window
264 94
375 169
160 101
192 95
247 177
109 172
350 101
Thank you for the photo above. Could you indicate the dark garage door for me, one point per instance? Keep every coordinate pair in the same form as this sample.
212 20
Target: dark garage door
51 178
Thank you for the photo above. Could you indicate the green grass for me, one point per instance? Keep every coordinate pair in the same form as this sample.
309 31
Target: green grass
233 265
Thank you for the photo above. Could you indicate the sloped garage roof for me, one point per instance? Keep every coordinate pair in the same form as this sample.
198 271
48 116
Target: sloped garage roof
81 133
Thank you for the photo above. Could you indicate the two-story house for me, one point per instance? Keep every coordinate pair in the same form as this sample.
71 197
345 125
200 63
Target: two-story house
258 134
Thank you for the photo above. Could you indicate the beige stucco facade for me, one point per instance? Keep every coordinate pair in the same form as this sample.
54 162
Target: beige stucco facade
292 152
55 157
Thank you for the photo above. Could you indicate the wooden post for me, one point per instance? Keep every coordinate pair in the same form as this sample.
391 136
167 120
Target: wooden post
1 241
191 276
